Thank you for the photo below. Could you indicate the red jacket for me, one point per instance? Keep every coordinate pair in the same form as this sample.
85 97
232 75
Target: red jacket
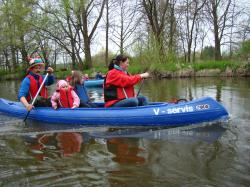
34 88
116 83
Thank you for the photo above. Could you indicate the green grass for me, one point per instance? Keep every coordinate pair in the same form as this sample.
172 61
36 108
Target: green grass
222 65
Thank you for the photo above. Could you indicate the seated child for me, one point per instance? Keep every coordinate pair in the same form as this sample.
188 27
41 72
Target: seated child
64 96
77 83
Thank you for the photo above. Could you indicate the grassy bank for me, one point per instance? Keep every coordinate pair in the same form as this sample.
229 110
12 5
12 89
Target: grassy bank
201 65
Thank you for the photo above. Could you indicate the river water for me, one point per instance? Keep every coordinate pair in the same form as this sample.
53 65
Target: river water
213 154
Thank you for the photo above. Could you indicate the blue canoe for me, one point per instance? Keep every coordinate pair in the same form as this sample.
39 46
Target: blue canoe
94 83
156 114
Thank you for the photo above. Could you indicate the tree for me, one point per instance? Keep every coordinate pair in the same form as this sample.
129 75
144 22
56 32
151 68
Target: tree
208 53
107 33
125 24
156 12
58 23
191 10
218 12
83 13
244 50
16 16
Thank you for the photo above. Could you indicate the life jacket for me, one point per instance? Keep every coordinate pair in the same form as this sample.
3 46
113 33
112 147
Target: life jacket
34 86
113 93
110 92
66 99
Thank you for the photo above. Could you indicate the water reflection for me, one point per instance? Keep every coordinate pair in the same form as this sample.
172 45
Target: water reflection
193 88
64 144
126 150
96 94
9 89
206 133
123 143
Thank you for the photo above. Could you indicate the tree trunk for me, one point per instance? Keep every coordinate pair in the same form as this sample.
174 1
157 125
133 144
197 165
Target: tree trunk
87 52
217 52
156 13
7 62
23 50
107 34
171 29
13 57
87 36
189 50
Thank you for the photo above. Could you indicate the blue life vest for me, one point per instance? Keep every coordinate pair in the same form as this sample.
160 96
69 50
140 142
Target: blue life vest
81 91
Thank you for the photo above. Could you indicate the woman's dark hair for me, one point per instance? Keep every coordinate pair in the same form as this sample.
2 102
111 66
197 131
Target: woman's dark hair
117 61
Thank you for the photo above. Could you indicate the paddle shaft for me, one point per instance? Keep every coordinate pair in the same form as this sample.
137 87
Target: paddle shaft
140 87
34 100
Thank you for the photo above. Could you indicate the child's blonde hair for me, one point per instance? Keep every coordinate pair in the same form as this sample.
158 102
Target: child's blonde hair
76 78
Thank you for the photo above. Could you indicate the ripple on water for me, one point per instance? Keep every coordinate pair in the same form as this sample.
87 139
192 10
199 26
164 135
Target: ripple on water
10 124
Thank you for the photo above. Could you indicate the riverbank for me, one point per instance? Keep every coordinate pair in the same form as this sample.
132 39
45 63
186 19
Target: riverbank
185 73
200 69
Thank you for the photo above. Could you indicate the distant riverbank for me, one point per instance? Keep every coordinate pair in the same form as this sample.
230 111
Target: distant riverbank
169 70
184 73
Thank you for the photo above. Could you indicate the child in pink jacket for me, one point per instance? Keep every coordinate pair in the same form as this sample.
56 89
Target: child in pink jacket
64 96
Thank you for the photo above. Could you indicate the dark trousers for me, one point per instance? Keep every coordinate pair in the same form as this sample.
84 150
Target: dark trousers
42 102
87 105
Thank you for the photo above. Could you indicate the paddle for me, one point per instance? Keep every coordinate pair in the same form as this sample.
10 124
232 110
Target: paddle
34 100
140 87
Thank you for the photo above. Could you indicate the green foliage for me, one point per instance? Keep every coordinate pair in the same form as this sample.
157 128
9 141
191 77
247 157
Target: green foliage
3 72
247 66
99 59
155 57
62 74
6 75
207 53
244 50
222 65
164 67
135 68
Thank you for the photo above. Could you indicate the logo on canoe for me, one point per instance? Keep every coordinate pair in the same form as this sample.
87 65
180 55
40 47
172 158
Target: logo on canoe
202 107
175 110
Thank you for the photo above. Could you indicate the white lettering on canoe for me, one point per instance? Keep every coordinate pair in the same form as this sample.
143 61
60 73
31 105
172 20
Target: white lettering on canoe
184 109
156 111
175 110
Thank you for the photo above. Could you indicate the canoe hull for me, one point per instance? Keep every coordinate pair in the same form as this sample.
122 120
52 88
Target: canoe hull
156 114
94 83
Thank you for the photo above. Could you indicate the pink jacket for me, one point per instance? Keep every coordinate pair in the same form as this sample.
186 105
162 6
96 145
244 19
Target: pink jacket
56 95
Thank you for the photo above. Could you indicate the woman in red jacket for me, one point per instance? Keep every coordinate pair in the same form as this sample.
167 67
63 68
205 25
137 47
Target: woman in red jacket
119 85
